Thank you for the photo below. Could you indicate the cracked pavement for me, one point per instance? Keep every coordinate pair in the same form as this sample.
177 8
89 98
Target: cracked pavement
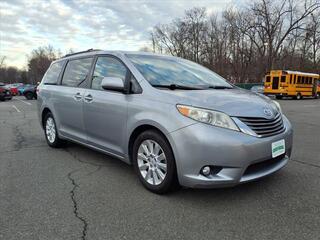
77 193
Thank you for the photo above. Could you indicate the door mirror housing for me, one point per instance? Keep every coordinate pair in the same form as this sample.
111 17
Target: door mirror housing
113 84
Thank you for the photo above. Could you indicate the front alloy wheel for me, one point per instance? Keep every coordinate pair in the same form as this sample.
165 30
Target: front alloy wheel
152 162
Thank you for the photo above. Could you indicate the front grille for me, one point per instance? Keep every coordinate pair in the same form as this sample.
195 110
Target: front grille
262 166
264 127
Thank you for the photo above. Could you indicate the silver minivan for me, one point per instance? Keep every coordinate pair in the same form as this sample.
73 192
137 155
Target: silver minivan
176 122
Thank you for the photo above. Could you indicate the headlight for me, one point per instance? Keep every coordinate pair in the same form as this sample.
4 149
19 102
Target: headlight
214 118
277 105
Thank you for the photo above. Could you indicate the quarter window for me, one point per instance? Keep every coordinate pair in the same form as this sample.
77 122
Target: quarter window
52 75
107 67
76 72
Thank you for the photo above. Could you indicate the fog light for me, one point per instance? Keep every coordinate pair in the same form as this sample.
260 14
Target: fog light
206 170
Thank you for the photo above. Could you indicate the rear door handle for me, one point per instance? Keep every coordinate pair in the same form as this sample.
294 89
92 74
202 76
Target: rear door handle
88 98
77 97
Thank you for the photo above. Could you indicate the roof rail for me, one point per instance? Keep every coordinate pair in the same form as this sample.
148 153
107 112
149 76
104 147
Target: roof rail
89 50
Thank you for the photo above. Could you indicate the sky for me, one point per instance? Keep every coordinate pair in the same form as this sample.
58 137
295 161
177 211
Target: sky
85 24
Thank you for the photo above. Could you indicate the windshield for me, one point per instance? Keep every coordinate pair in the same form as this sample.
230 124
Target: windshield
165 71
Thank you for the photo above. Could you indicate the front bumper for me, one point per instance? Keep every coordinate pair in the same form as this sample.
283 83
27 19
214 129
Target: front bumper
241 157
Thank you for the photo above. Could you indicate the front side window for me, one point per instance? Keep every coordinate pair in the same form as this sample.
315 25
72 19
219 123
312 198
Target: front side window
52 75
165 71
76 72
107 67
283 79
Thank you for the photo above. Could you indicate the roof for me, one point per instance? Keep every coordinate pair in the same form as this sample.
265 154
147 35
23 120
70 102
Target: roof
301 73
91 52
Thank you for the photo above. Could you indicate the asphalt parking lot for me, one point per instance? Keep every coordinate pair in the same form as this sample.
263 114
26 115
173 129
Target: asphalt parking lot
76 193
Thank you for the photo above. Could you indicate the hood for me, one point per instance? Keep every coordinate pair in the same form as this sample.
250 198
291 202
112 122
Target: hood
235 102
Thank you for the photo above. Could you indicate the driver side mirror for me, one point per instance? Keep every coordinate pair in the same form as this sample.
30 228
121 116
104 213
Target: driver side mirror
113 84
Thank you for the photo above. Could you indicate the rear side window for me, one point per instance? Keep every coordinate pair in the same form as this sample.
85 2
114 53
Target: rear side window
107 67
76 72
52 75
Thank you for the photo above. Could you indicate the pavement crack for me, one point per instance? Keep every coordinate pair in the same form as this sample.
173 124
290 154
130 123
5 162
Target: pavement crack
308 164
76 206
23 148
96 170
20 139
80 160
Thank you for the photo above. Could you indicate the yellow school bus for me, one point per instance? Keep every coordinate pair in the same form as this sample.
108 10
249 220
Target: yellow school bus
292 84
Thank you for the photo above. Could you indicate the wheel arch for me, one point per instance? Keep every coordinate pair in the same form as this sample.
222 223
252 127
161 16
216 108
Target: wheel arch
142 128
44 112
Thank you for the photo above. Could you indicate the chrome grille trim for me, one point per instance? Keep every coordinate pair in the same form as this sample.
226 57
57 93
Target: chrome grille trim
264 127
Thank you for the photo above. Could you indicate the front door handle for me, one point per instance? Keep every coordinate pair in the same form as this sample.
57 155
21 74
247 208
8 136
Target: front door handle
88 98
77 97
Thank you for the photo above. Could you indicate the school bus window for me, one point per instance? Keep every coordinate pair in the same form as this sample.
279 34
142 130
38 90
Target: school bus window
299 79
290 78
283 78
295 79
268 79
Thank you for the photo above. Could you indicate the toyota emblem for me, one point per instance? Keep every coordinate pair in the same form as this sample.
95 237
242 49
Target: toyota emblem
267 112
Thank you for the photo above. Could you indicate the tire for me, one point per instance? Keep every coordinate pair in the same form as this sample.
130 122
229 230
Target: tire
29 95
153 165
299 96
317 96
278 97
53 141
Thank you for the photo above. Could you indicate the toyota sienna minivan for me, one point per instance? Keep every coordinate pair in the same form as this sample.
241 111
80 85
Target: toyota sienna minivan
176 122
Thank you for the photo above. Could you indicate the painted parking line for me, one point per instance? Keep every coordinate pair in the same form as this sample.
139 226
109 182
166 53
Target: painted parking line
16 108
23 101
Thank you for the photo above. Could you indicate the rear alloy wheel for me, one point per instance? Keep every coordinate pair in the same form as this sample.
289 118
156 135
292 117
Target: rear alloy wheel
154 162
51 132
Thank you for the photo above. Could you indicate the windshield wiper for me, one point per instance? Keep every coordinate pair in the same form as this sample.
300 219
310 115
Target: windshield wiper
219 87
177 86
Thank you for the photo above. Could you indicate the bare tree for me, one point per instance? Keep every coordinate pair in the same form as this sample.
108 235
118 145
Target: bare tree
242 44
2 61
39 61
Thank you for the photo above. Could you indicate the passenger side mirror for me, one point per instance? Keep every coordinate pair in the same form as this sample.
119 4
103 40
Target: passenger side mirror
112 83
